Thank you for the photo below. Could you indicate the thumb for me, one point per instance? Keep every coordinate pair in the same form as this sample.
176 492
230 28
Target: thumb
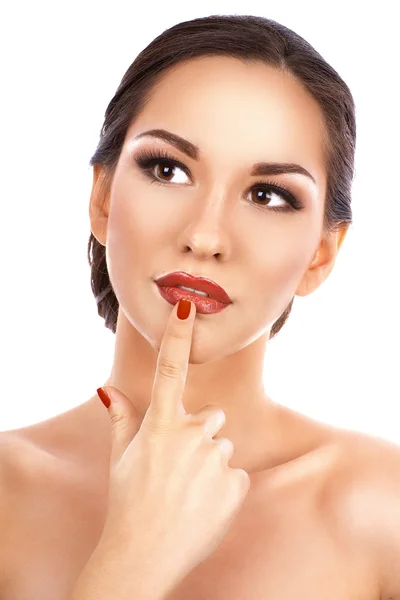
125 420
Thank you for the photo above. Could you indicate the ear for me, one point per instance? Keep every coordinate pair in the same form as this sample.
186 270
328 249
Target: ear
323 261
99 204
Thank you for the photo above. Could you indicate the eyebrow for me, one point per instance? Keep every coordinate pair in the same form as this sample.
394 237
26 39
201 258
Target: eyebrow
193 151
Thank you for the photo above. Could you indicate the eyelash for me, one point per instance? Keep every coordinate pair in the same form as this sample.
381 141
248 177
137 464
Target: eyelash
147 159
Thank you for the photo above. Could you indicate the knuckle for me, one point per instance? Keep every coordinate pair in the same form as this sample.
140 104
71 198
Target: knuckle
169 368
243 478
118 420
179 333
222 445
213 419
227 445
158 426
219 416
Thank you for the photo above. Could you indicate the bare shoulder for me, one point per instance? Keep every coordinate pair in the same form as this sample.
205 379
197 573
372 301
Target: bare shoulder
28 470
21 463
16 458
28 466
51 514
364 504
12 469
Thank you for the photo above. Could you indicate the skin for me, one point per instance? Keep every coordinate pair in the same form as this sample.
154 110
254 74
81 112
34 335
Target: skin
313 487
204 225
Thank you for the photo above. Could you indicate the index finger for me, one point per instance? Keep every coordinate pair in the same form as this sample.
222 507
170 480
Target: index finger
171 370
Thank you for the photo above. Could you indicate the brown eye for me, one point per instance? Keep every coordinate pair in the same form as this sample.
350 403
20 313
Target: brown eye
158 167
161 169
267 197
165 171
262 188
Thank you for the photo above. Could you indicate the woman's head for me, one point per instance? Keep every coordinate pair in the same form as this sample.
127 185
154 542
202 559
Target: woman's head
244 90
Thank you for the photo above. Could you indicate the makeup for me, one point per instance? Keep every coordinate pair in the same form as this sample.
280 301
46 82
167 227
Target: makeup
204 305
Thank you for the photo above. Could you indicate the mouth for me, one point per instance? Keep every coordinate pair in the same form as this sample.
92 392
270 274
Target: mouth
198 286
205 305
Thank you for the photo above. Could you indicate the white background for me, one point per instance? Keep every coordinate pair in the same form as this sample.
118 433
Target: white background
336 359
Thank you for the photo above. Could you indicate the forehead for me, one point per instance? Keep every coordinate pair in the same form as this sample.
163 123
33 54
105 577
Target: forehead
227 106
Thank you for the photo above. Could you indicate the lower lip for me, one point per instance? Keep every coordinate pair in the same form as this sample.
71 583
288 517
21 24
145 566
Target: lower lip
205 306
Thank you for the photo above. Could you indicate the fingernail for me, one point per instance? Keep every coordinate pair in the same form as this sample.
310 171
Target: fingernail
183 309
104 397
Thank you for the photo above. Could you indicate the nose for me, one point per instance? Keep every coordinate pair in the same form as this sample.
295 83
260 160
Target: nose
206 235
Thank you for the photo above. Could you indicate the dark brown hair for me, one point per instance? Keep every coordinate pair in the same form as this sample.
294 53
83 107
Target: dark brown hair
247 38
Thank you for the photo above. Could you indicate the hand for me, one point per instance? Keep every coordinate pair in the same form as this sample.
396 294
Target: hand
172 495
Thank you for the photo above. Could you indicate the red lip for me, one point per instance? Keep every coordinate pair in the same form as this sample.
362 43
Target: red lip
198 283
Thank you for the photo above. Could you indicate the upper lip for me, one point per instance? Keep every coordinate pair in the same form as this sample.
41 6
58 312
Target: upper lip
202 284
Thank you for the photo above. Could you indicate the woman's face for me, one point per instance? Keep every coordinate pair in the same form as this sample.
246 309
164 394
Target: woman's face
208 221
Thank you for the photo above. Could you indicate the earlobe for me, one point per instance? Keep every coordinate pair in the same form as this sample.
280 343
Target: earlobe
341 235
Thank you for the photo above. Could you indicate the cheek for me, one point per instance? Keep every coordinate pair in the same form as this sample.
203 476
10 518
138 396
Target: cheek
281 265
134 224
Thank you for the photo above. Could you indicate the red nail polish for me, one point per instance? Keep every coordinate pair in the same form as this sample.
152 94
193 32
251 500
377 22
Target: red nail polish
183 308
104 397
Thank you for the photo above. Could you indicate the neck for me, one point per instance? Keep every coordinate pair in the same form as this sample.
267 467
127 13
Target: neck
233 383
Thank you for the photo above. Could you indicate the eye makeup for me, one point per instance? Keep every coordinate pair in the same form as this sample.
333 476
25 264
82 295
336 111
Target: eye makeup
147 159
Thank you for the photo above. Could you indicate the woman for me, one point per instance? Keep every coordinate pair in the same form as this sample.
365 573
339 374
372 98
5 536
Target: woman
226 154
